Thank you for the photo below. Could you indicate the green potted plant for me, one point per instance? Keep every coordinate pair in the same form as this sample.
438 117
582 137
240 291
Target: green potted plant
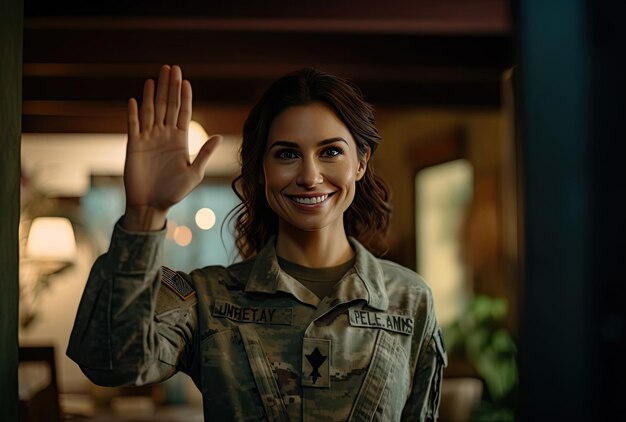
480 338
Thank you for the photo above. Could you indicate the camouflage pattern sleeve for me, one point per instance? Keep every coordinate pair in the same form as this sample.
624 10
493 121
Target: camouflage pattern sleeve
136 319
423 402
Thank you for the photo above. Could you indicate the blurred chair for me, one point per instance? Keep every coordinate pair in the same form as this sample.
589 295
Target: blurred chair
459 396
38 389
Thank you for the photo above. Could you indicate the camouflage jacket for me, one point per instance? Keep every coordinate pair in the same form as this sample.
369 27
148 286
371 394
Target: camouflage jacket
257 343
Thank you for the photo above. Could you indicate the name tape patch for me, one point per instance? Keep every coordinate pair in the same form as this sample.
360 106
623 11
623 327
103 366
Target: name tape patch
276 316
391 322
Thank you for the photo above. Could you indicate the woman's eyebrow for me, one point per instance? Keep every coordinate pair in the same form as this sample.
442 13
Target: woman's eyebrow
289 144
283 144
332 140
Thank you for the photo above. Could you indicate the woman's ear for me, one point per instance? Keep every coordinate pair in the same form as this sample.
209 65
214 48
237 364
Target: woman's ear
360 172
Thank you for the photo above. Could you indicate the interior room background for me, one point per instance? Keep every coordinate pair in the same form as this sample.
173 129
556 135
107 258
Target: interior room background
440 78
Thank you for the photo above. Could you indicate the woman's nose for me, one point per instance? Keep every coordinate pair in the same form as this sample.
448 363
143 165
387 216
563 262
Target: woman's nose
309 174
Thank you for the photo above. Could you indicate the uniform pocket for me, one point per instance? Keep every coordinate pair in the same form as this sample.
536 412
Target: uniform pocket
386 384
263 375
171 330
228 386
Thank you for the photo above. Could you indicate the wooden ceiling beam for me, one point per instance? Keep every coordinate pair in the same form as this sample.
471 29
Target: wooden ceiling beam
457 25
136 46
81 66
229 91
201 71
443 16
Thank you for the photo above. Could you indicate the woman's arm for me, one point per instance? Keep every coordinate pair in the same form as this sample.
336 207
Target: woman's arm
132 326
125 331
423 402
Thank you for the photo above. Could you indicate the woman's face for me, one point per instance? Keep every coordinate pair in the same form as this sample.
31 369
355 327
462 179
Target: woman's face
311 167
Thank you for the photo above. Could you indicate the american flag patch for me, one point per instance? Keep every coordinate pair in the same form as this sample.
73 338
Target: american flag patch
177 283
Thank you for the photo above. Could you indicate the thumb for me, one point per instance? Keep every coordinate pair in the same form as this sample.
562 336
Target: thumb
202 159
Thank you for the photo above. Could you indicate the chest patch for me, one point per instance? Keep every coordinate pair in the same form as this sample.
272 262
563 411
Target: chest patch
316 362
276 316
390 322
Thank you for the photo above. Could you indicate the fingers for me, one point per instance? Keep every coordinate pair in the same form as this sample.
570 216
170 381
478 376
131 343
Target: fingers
133 119
184 117
161 95
173 96
146 116
201 161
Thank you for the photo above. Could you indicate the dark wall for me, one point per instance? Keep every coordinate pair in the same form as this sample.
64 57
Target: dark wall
574 319
11 18
608 199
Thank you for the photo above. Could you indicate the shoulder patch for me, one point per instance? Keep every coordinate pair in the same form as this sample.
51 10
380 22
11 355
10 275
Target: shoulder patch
177 283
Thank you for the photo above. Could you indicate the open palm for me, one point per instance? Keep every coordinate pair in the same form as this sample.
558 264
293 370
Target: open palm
157 171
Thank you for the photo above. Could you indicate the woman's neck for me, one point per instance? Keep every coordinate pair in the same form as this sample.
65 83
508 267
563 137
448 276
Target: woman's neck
315 249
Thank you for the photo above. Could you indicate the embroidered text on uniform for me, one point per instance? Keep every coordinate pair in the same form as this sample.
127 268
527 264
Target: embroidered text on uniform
277 316
397 323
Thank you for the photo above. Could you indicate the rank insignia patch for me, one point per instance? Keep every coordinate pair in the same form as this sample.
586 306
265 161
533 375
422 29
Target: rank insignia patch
177 283
316 363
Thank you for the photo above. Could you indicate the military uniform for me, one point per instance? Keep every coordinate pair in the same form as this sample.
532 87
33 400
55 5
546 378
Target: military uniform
257 343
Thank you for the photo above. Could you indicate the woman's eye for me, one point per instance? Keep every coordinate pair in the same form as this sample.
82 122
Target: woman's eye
286 154
332 152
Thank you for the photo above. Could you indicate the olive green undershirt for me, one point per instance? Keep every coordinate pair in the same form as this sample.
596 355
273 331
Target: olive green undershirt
318 280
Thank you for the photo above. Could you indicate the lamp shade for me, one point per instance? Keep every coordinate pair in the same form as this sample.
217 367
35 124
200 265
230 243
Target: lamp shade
51 238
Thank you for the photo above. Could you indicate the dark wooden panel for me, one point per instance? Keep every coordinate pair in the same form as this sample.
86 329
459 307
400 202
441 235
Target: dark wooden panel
120 89
245 91
187 47
10 86
73 124
448 15
413 55
93 117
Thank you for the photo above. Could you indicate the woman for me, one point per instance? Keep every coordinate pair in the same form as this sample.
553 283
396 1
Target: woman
311 326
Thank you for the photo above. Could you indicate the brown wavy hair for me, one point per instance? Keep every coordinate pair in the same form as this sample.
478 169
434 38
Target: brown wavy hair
367 218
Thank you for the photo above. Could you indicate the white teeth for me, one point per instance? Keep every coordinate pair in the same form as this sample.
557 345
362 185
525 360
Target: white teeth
310 201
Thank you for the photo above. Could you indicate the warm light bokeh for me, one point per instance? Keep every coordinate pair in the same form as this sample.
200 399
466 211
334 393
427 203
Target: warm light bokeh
183 235
205 218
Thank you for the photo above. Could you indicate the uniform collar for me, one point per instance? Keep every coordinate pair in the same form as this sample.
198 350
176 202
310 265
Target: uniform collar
364 281
368 269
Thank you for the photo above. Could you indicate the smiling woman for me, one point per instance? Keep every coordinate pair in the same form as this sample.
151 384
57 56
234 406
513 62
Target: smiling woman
311 325
310 184
314 107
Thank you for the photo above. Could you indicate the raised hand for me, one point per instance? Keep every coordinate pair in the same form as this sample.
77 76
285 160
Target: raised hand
157 171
